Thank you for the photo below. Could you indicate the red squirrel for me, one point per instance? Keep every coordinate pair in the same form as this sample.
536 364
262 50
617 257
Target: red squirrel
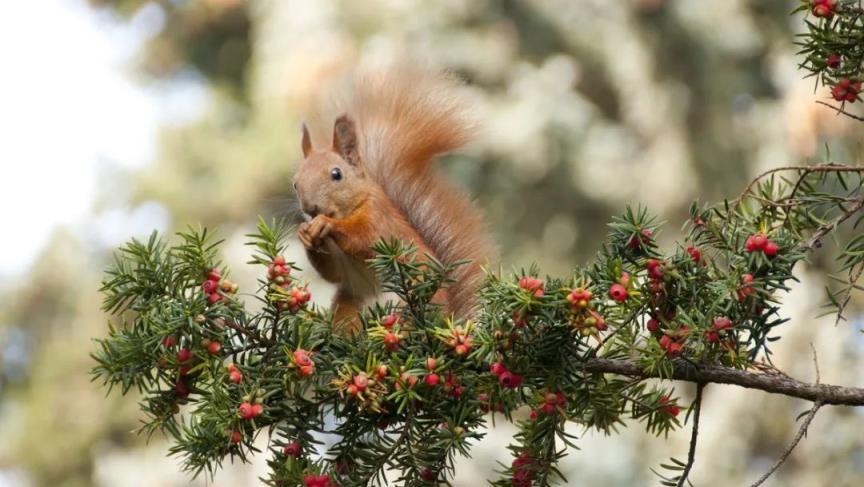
376 179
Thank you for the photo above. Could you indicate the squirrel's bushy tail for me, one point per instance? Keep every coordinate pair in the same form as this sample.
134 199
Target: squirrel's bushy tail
406 115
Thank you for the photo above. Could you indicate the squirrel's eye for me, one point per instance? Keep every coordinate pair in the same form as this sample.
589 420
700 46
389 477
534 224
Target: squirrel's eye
336 174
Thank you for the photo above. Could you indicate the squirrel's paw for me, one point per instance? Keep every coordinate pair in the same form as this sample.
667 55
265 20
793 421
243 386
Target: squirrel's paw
313 233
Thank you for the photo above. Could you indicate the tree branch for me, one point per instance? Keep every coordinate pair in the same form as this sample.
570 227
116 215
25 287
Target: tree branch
801 433
772 384
691 455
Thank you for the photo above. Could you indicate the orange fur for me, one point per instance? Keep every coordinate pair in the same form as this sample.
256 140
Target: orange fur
397 120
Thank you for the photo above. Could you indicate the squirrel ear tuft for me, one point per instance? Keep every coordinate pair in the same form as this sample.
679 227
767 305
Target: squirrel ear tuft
307 142
345 139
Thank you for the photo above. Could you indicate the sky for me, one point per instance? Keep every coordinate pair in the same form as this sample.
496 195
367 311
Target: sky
70 110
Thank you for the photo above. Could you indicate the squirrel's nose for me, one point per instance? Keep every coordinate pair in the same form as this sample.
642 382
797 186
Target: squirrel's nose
311 210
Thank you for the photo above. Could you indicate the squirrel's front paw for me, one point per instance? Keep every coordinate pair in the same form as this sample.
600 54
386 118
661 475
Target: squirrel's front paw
313 233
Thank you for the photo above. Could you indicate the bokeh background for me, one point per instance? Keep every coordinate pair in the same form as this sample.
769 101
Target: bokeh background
122 116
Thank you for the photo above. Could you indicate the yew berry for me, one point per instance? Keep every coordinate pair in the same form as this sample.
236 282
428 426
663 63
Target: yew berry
431 363
361 381
389 321
756 242
391 341
257 409
640 239
214 298
278 260
823 8
235 376
510 380
352 390
497 368
183 355
246 411
432 380
301 357
695 254
169 341
655 270
722 323
533 285
833 61
214 347
771 249
181 389
846 90
209 287
292 449
214 274
307 370
618 293
236 437
653 325
668 406
381 372
428 475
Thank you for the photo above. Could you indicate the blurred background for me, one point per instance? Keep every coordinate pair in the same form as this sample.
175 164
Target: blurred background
122 116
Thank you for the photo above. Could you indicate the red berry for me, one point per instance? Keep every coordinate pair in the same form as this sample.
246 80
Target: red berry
756 242
307 370
655 271
279 260
712 336
823 8
214 347
653 325
235 376
510 380
668 406
292 449
618 293
532 285
391 341
361 381
183 355
428 475
389 320
432 380
236 437
246 411
209 287
833 61
302 357
497 368
431 363
381 372
257 409
640 239
181 389
461 350
771 249
722 323
695 254
353 390
169 341
214 298
214 274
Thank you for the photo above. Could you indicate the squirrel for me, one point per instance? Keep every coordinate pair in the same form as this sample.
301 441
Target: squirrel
377 179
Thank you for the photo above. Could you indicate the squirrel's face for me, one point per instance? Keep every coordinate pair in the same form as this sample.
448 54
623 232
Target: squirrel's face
332 182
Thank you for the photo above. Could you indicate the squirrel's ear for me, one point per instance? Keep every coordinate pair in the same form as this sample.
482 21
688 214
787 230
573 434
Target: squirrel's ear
307 142
345 140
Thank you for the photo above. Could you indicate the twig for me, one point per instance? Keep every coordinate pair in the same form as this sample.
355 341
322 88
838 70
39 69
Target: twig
816 363
826 229
691 455
770 383
809 169
801 433
840 110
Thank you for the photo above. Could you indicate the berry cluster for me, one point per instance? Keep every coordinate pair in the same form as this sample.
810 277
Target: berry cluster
672 341
524 470
234 374
846 90
552 402
214 283
532 285
283 294
718 327
506 378
668 406
248 410
302 359
759 242
585 319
